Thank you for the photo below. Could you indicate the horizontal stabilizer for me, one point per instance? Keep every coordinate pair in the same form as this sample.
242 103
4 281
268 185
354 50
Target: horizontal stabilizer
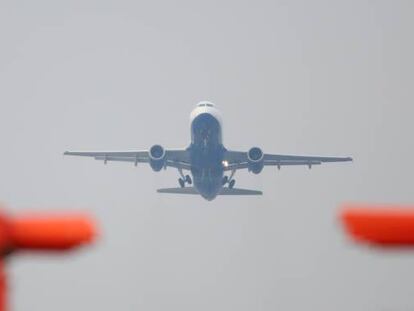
186 190
238 191
223 191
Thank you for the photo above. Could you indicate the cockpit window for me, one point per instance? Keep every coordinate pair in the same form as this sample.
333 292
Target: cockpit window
205 105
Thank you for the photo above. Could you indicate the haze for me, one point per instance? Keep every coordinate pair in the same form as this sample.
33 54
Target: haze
303 77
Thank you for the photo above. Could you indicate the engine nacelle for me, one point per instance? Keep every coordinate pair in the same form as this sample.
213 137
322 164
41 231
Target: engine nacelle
255 157
157 157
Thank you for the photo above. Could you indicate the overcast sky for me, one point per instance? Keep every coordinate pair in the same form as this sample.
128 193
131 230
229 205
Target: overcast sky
301 77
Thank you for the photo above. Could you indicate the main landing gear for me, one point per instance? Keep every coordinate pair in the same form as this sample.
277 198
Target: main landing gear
183 180
229 180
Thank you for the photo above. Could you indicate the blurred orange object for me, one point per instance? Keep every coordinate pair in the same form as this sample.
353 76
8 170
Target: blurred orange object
51 232
3 287
40 232
386 225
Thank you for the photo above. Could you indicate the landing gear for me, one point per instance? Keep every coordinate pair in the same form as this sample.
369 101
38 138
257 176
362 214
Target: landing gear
183 180
230 180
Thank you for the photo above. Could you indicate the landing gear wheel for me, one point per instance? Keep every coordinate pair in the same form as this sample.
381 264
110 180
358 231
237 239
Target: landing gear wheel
225 180
181 182
232 183
188 179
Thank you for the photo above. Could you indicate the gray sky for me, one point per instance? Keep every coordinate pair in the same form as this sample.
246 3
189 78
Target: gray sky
305 77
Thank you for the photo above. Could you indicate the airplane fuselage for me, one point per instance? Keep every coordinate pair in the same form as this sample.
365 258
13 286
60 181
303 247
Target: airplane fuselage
207 151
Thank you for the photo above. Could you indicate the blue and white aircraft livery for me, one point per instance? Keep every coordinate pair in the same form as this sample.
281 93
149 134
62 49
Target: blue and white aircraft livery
210 164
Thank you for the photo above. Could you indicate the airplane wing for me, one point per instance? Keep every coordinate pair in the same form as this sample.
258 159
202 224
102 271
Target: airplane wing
177 158
236 160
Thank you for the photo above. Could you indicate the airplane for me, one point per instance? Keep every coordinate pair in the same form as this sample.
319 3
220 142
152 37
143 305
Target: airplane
212 166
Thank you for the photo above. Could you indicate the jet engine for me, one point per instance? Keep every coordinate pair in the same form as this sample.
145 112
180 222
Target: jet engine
157 157
255 157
